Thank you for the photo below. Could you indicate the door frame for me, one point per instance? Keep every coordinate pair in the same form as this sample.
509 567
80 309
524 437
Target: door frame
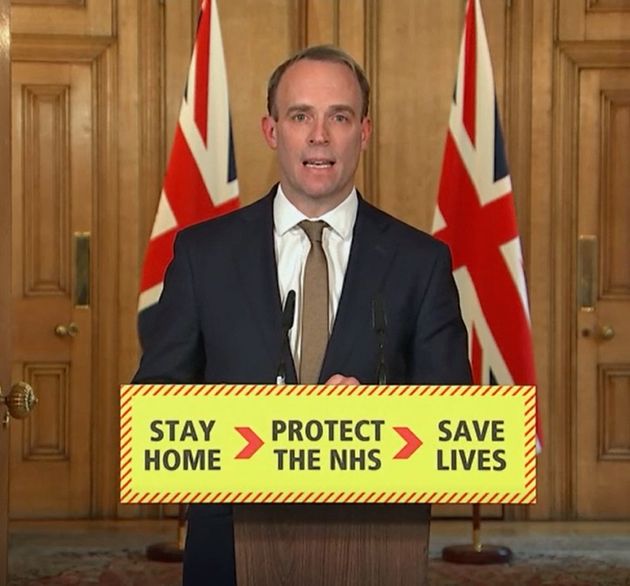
5 271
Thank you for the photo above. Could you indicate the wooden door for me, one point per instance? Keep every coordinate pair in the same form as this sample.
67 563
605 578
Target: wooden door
593 130
5 272
59 143
603 345
52 138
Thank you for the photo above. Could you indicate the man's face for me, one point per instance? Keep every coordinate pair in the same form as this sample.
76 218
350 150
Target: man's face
318 134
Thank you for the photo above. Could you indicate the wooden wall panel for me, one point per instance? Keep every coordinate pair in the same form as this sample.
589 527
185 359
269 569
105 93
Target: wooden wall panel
46 433
418 46
608 6
178 34
593 20
532 165
615 203
321 21
45 195
70 17
249 65
614 413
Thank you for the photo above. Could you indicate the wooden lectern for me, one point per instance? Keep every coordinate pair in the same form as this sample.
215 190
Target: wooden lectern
331 545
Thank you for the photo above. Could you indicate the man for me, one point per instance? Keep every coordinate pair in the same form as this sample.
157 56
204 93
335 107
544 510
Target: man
219 317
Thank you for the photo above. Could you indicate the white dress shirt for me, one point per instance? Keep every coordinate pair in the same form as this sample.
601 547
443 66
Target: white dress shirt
292 247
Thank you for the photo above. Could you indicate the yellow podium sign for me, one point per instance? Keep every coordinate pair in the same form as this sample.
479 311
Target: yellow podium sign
327 444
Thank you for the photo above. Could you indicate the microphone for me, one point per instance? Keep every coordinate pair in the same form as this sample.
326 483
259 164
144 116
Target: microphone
379 325
288 314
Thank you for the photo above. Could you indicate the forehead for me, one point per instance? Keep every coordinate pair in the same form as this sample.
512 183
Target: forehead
318 83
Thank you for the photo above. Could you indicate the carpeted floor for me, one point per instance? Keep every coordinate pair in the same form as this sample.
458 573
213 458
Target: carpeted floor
112 555
132 569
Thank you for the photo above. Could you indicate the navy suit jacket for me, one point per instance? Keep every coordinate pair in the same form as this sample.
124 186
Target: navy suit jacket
219 316
219 320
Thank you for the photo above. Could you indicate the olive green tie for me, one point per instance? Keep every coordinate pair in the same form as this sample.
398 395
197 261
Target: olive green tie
314 305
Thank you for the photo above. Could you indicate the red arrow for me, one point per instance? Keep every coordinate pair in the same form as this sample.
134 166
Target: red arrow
253 443
413 443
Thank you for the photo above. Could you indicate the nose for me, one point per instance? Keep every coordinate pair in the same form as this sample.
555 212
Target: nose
319 133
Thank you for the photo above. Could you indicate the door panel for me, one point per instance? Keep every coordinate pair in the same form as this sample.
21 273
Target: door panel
603 347
52 210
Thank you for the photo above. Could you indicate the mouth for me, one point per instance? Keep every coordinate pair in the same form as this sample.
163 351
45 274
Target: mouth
318 163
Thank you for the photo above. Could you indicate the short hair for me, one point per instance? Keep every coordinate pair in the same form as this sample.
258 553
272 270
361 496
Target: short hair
328 53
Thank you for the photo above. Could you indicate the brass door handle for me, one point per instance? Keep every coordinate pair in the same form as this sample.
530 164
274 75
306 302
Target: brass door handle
604 332
71 330
20 401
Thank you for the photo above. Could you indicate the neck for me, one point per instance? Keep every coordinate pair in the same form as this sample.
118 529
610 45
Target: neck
315 208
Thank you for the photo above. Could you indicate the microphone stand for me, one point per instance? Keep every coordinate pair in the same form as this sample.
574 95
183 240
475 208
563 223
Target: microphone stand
288 315
379 325
474 553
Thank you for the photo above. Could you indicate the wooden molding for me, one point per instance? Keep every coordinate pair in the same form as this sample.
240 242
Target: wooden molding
518 136
150 170
607 5
600 54
300 24
371 178
518 113
64 48
152 114
563 259
318 22
46 3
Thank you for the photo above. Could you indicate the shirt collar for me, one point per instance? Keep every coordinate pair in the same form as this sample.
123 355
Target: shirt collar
341 219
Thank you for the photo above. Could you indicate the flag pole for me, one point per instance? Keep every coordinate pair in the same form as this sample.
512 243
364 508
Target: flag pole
477 552
171 551
475 205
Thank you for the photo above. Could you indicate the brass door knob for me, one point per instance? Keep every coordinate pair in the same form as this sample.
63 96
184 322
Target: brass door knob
70 330
604 332
20 401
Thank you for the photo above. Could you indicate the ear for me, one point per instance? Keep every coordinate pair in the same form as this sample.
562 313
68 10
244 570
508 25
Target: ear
269 130
366 132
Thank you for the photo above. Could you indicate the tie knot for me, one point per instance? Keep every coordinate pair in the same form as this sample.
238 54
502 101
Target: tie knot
313 229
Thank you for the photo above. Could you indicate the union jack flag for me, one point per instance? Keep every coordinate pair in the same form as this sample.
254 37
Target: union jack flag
200 180
475 216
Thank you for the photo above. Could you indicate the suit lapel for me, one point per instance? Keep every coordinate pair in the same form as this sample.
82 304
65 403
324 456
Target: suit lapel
255 260
370 257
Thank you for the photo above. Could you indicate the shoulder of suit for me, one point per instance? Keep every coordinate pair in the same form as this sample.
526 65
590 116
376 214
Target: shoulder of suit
230 224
